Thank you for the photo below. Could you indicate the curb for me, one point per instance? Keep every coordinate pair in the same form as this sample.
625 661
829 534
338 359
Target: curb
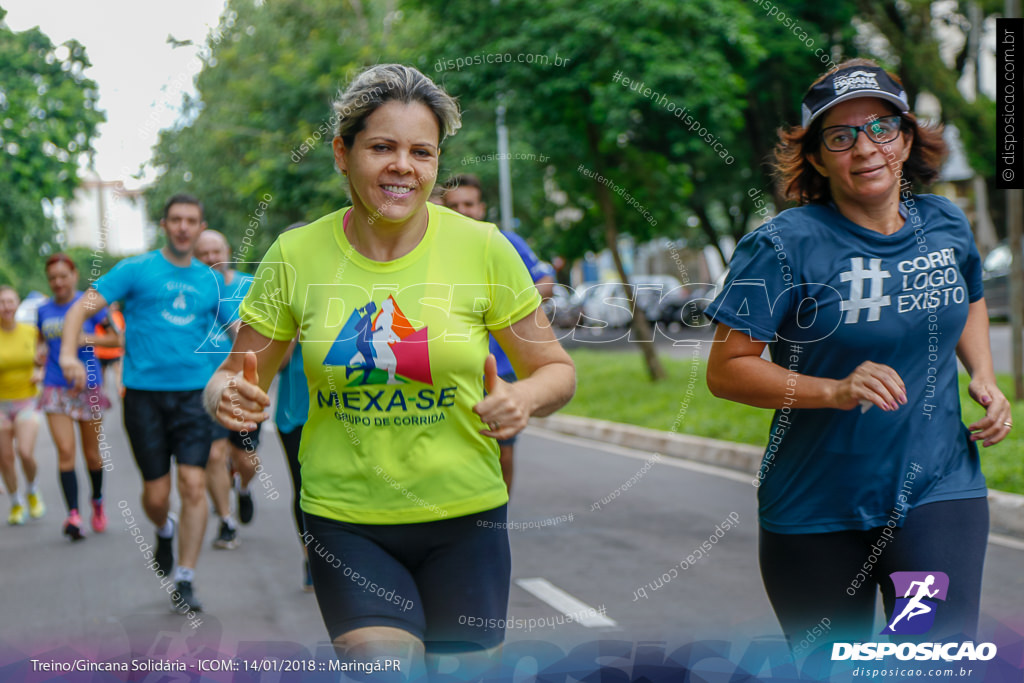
1006 510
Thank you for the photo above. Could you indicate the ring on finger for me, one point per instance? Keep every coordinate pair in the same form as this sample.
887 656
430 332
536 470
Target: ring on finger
1008 424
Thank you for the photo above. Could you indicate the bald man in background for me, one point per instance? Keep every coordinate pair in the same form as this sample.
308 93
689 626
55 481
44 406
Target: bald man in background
214 251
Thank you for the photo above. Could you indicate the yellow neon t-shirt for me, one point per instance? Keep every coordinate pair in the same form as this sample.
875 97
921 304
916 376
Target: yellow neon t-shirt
394 354
17 360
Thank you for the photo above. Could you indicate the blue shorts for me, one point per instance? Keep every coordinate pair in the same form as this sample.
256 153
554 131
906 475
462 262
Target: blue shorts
445 582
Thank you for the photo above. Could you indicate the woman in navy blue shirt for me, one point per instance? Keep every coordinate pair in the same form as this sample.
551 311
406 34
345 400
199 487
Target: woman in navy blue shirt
866 293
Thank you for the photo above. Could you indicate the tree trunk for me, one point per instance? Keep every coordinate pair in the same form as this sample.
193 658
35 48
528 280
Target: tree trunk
640 324
709 229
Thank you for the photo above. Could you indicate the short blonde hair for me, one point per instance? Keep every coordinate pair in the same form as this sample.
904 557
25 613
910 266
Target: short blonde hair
385 82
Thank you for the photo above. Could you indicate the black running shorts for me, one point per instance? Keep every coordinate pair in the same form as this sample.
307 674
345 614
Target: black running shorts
445 582
165 423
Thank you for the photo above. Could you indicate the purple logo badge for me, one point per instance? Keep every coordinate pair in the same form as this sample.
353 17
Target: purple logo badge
917 596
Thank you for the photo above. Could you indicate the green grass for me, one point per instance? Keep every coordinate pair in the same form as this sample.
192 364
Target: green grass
613 385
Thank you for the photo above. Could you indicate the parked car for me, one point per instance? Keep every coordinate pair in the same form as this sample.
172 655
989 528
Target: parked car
689 310
995 275
662 298
27 310
562 309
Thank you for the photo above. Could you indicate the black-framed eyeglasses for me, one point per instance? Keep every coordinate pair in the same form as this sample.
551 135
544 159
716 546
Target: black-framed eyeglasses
842 138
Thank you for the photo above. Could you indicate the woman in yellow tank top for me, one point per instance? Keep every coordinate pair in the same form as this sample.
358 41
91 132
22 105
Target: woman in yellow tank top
20 371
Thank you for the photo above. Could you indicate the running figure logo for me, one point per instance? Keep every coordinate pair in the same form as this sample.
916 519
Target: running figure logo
857 276
914 613
380 346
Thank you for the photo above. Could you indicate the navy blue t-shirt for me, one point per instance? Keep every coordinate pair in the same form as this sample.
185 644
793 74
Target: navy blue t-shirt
827 295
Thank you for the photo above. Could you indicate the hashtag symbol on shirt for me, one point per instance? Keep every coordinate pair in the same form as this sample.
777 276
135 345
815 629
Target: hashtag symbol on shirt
914 466
797 348
617 77
857 276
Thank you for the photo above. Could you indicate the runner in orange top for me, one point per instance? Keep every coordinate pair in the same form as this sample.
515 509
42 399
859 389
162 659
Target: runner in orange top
110 356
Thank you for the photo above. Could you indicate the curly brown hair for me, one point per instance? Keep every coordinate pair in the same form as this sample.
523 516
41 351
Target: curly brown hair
799 182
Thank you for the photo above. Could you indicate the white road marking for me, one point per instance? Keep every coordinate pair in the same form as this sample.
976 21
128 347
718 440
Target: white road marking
672 461
581 612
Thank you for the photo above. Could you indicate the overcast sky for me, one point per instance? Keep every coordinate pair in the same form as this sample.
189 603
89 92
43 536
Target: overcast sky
140 75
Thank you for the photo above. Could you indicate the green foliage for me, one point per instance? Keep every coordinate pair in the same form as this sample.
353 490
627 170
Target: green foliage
658 406
910 41
48 120
262 125
691 54
91 264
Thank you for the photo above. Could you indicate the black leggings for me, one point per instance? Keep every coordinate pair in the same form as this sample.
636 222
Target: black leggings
290 443
811 577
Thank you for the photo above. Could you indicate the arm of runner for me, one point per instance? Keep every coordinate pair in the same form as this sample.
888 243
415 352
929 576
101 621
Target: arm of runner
39 362
70 365
975 353
546 286
106 335
737 372
236 395
548 377
287 358
42 351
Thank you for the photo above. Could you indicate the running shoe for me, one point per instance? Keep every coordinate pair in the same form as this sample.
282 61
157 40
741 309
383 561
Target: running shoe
245 507
17 516
99 517
36 509
164 556
187 600
227 538
307 579
73 527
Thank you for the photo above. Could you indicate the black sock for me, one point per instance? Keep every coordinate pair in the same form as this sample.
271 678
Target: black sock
96 479
69 484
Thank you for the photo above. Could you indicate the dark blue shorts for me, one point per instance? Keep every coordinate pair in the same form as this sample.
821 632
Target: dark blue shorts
811 576
445 582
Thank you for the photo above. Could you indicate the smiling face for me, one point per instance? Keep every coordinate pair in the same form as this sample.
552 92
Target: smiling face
865 173
392 164
62 279
183 225
8 305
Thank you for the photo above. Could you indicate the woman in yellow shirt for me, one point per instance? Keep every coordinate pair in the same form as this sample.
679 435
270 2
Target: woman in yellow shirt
19 422
392 299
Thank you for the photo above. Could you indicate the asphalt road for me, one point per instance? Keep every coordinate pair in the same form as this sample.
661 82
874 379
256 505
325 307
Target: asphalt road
97 599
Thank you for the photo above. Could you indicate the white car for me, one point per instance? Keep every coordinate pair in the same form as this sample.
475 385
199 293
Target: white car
27 310
604 304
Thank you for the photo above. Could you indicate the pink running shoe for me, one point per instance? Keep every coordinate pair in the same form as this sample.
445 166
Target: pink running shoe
73 526
99 517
